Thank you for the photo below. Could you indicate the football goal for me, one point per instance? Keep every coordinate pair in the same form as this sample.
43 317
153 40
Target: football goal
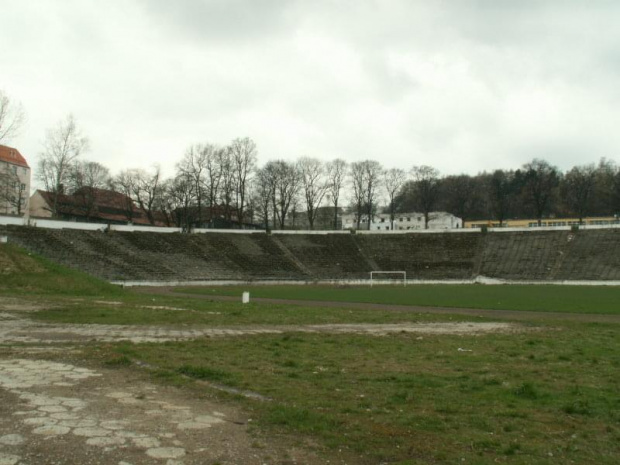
391 275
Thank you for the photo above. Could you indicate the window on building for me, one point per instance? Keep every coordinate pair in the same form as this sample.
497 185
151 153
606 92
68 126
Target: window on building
408 218
383 220
400 219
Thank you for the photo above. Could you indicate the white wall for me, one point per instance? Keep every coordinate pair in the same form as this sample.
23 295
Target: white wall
56 224
132 228
11 220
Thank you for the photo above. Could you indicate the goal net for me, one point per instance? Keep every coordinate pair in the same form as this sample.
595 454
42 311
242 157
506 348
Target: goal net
383 276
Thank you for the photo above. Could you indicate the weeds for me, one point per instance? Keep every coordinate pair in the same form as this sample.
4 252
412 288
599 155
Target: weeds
527 390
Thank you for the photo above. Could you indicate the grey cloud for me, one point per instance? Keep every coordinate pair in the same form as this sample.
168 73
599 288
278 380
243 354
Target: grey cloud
464 85
221 20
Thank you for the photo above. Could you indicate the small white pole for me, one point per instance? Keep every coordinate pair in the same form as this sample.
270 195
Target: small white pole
245 298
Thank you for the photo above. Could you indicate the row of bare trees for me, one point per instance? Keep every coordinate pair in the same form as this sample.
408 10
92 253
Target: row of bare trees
211 181
226 182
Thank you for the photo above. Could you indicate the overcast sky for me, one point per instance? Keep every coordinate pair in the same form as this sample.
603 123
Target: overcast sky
462 85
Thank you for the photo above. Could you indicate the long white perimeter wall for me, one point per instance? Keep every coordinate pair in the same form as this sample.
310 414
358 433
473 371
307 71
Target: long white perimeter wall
57 224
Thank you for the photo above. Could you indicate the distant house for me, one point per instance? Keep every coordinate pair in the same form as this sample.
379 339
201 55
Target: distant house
14 182
324 219
403 221
91 205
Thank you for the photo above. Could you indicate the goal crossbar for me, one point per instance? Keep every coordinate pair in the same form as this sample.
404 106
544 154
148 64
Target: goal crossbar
403 273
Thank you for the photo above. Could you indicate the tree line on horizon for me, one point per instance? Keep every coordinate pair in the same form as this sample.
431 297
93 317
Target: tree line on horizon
227 181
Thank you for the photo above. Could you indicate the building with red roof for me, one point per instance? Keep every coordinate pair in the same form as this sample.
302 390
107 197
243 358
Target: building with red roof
91 205
14 182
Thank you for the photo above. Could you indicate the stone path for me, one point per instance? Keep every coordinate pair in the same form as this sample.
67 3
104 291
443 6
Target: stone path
59 413
18 330
51 416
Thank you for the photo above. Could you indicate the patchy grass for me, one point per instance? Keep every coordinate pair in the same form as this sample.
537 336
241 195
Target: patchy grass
574 299
411 399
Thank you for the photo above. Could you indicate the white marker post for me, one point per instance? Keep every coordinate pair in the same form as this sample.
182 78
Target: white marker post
245 298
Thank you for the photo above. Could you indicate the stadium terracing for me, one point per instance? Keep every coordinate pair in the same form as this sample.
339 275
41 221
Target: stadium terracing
564 255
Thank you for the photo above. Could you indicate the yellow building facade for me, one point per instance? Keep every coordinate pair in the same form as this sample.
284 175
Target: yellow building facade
546 222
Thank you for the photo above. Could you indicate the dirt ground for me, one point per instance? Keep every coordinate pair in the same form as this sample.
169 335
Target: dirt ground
54 409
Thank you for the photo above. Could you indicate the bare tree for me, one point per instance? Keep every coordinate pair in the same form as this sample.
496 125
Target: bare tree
365 177
393 180
425 189
244 154
227 182
577 189
213 174
165 204
124 183
605 198
192 168
459 195
615 197
372 180
63 145
501 192
336 176
84 180
356 174
147 190
263 192
314 185
285 180
12 117
541 181
88 174
180 194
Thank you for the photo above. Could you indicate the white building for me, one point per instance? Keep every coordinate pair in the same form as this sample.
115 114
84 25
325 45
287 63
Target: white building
403 221
14 182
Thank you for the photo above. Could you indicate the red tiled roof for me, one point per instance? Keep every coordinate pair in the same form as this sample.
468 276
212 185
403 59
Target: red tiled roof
104 197
11 155
80 204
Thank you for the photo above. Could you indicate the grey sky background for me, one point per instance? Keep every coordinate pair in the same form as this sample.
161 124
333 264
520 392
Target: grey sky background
462 85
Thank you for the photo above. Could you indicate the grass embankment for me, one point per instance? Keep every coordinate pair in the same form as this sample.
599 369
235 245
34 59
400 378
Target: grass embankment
543 298
25 274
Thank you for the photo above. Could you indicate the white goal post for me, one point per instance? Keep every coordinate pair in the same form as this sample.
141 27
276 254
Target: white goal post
403 273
